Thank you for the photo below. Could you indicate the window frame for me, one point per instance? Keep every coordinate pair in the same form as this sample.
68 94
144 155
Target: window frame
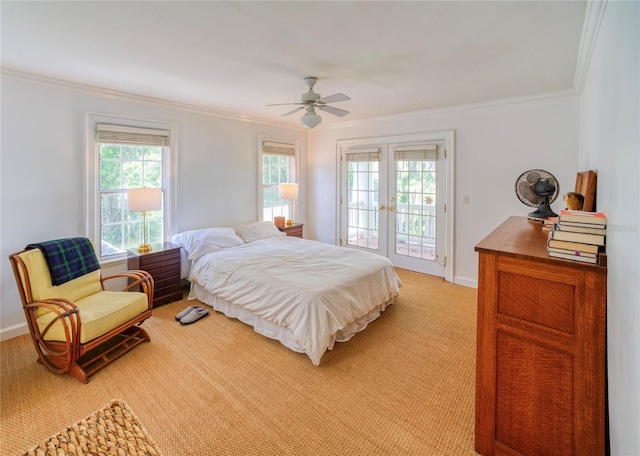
92 193
293 169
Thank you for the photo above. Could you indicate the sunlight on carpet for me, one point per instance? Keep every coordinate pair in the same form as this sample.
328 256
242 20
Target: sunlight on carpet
404 385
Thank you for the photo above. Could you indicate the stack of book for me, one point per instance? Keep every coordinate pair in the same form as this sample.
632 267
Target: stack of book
578 236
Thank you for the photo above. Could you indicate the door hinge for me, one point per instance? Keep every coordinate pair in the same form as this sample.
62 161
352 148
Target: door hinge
445 208
445 153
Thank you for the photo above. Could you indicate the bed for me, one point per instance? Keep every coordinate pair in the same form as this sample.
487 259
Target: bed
306 294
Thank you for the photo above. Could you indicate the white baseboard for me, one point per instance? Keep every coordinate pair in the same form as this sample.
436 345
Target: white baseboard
472 283
14 331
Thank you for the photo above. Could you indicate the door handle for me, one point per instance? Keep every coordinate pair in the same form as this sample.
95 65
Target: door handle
382 207
392 208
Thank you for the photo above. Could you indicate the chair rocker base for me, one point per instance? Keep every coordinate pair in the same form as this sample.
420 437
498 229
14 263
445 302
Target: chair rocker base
102 355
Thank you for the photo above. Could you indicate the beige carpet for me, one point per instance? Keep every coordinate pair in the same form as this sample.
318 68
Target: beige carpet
403 386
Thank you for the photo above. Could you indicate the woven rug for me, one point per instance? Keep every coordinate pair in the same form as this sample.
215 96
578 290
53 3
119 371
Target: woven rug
113 430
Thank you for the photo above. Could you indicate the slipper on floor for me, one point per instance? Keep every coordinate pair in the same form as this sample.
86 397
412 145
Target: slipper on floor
196 314
184 313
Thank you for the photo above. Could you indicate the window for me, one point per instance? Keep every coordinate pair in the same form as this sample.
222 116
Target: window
127 157
278 165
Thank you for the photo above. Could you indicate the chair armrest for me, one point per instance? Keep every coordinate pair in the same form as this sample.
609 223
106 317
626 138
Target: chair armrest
137 277
66 312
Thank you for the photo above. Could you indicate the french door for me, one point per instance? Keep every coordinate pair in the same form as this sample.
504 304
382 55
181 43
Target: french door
394 201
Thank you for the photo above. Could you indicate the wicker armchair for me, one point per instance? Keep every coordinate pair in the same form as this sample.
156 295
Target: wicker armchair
78 327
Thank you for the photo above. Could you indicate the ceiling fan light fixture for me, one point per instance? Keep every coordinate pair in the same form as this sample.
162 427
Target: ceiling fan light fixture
311 119
311 100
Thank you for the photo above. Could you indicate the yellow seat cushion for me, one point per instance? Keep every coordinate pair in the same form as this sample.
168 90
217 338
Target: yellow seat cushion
100 313
42 287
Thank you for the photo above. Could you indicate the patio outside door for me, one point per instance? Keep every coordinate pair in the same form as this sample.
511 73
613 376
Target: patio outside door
393 203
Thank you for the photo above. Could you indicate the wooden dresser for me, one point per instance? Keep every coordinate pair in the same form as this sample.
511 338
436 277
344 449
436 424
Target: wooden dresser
541 348
163 263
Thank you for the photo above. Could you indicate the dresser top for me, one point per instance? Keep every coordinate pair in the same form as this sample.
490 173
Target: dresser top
524 238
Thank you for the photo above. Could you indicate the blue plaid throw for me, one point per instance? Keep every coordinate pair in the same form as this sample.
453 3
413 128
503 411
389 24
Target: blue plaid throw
68 258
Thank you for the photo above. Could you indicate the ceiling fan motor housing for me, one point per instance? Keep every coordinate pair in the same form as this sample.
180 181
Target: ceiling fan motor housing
310 97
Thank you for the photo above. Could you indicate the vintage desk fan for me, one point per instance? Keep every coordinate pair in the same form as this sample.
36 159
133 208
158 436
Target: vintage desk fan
538 188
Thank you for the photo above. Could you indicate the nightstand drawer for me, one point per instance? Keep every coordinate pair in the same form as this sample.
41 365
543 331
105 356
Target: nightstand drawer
164 280
160 260
161 267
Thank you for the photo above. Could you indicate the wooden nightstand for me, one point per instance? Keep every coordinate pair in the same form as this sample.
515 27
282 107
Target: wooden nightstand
293 230
163 263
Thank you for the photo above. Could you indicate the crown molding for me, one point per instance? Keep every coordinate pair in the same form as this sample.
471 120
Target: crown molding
465 107
592 21
109 93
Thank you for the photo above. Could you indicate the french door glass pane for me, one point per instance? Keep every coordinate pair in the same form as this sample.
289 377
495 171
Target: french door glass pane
416 208
363 180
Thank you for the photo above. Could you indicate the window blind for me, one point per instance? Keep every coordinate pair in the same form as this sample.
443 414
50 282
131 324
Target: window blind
117 134
419 152
276 148
360 155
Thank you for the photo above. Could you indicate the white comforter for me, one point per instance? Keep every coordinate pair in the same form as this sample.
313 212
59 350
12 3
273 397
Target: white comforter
312 288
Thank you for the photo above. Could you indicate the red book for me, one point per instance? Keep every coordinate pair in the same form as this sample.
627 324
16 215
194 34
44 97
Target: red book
597 218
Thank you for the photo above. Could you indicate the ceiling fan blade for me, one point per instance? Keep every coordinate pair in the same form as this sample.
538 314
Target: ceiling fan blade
291 112
333 110
284 104
334 98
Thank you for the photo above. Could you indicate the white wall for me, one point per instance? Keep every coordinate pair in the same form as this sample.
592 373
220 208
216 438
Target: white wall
43 168
494 145
610 143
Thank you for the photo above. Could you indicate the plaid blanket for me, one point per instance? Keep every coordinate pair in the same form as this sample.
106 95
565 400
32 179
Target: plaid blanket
68 258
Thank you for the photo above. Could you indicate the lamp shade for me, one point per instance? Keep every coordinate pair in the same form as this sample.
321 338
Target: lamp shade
288 191
144 199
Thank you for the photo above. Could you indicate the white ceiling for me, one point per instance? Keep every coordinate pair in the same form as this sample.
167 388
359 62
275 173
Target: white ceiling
390 57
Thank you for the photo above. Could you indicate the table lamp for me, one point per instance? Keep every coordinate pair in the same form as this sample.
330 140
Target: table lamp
143 200
289 192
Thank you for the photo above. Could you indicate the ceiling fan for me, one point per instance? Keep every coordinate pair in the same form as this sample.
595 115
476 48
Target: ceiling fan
311 100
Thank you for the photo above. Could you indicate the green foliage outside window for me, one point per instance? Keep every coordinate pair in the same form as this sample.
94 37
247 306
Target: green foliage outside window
123 167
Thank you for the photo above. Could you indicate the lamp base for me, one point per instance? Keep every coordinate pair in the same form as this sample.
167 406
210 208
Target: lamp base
289 222
144 248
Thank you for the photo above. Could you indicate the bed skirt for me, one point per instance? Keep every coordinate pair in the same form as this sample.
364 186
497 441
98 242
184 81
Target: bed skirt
271 330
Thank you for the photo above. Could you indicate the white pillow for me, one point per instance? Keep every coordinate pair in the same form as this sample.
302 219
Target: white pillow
199 242
253 231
